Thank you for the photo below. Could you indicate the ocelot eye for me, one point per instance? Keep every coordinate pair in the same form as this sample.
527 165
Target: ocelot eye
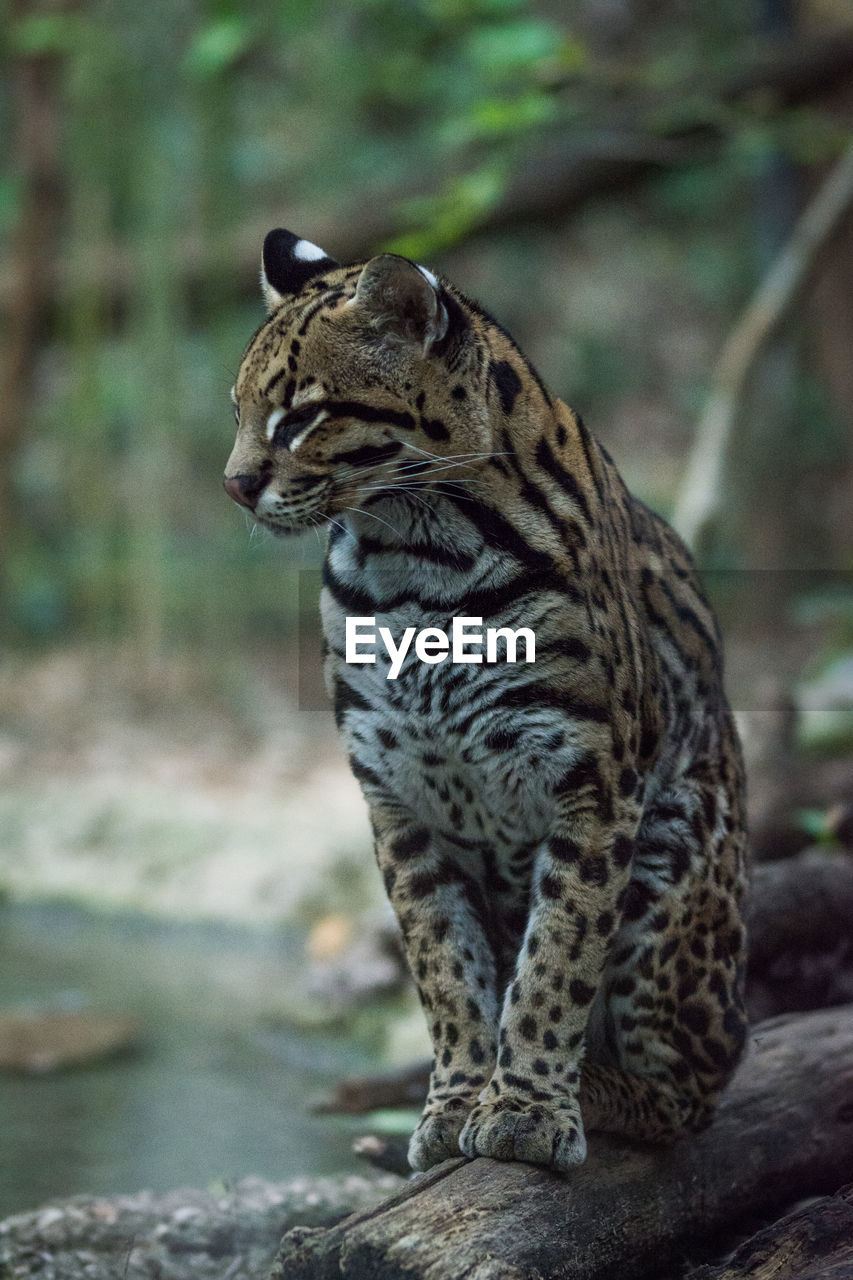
283 427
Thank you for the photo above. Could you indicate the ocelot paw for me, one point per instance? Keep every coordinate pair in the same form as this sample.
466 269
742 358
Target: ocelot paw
436 1137
510 1128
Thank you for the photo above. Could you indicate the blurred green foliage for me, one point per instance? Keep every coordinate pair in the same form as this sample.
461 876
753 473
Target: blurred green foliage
183 128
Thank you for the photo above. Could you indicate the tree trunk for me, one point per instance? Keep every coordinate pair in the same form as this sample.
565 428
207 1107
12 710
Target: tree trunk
36 108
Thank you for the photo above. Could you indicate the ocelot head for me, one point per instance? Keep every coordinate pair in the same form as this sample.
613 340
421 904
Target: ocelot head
361 380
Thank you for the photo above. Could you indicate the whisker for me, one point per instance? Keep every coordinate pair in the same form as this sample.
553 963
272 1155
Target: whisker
345 471
412 493
384 488
437 457
409 487
373 516
407 444
461 495
446 466
349 533
348 467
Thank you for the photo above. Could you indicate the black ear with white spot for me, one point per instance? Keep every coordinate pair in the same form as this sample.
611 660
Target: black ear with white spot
402 300
287 264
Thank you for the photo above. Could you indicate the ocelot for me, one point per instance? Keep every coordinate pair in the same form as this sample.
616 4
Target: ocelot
562 840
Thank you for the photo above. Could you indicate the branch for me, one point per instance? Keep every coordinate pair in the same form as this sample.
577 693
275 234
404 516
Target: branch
356 1095
701 493
783 1130
562 172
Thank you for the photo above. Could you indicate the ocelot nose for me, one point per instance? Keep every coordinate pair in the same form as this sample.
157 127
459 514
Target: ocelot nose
244 489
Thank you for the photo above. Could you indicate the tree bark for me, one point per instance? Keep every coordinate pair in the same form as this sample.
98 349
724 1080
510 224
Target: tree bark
800 926
36 117
815 1243
802 904
783 1130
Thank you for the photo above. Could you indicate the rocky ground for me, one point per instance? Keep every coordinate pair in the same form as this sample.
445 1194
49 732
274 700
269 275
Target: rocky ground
185 1235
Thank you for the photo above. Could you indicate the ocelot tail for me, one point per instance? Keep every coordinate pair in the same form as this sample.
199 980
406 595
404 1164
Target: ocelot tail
562 839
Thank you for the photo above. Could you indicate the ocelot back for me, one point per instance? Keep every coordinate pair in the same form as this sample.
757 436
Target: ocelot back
562 840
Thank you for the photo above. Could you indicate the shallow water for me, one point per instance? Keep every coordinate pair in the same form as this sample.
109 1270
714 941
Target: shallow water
218 1088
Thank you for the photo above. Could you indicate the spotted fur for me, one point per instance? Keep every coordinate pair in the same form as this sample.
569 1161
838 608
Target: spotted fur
562 841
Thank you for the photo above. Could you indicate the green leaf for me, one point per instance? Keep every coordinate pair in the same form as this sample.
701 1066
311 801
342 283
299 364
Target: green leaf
501 50
453 213
502 117
571 56
814 823
392 1122
468 9
11 193
45 33
218 47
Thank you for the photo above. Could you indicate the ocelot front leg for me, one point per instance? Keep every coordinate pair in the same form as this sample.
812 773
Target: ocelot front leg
530 1108
442 914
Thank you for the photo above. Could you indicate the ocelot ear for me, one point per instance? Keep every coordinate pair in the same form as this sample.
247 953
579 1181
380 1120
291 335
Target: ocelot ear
402 300
287 264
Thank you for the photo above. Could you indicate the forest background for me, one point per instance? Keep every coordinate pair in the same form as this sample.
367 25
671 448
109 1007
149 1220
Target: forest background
612 179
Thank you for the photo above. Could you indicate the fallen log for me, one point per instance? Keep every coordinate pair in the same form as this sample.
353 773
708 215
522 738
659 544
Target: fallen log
388 1152
815 1243
804 903
356 1095
800 928
783 1130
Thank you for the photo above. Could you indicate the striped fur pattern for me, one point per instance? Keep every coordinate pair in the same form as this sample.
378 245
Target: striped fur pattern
563 840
